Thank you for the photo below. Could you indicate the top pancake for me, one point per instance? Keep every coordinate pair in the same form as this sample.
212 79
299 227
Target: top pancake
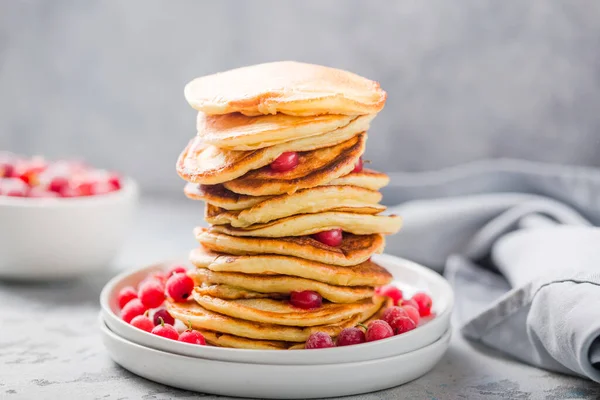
239 132
208 164
286 87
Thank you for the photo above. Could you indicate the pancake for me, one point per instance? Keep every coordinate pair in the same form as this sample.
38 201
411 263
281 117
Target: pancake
354 249
203 319
315 168
242 133
286 87
224 340
308 224
281 312
367 273
221 197
231 292
209 165
307 201
367 178
250 286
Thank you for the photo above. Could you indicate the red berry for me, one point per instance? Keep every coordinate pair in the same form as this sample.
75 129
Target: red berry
115 181
285 162
319 340
306 299
180 286
125 295
409 302
177 269
331 237
132 309
142 322
101 188
193 337
378 330
85 189
166 331
390 291
402 324
412 313
164 315
358 166
58 184
152 293
69 191
424 303
392 313
350 336
7 170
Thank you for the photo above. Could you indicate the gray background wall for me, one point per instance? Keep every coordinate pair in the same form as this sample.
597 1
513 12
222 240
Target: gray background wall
466 79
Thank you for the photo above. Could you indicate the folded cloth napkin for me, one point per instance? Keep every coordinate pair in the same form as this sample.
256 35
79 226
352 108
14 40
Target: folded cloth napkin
520 244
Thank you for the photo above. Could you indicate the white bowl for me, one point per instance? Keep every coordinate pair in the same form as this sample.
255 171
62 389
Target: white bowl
272 381
409 276
59 238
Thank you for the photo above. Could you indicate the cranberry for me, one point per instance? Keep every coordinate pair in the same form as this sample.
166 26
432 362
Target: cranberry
350 336
142 322
166 331
424 303
390 291
69 191
285 162
358 166
125 295
58 184
192 337
412 313
306 299
152 293
319 340
7 170
85 189
402 324
176 270
132 309
409 302
331 237
392 313
115 181
378 330
164 315
180 286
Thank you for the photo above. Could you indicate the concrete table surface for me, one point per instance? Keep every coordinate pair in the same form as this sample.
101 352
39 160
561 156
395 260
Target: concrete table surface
50 347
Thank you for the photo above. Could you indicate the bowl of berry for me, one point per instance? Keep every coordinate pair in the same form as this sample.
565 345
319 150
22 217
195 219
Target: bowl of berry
60 219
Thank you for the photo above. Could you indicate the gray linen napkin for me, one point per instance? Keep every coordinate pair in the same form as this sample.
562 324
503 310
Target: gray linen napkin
517 241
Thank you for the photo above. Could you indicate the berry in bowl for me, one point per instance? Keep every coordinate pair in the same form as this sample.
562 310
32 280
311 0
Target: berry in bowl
60 219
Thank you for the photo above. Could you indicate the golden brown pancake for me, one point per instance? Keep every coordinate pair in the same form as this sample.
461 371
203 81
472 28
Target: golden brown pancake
353 250
224 340
308 224
210 165
242 133
315 168
201 318
221 197
286 87
250 286
306 201
367 273
367 178
281 312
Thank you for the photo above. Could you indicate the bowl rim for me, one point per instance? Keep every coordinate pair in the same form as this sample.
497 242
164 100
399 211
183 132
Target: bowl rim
129 188
112 284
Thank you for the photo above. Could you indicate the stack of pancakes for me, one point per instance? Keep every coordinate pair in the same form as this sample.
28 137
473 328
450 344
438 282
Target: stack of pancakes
259 247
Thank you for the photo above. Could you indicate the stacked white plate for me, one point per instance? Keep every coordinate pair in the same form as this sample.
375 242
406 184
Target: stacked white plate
290 374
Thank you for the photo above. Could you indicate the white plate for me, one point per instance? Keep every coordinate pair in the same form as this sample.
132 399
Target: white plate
272 381
409 276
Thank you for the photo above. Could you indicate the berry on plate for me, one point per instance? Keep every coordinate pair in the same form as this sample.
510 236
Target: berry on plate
142 322
125 295
402 324
163 314
152 293
409 302
392 313
179 287
377 330
165 330
351 336
132 309
319 340
424 303
192 336
412 313
391 291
